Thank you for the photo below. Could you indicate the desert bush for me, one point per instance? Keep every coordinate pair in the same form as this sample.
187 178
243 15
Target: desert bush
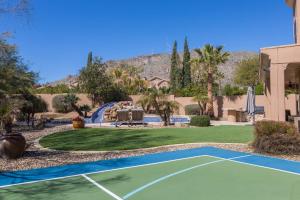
259 89
276 138
267 128
192 109
60 106
200 121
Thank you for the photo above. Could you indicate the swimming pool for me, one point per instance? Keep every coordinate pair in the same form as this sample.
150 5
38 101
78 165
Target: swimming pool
174 119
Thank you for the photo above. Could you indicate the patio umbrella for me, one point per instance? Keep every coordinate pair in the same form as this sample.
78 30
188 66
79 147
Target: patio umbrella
250 105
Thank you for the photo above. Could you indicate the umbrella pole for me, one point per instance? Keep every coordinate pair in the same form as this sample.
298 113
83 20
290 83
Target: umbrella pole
254 102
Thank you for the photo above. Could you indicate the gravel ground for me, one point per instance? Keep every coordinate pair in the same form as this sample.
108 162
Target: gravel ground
37 157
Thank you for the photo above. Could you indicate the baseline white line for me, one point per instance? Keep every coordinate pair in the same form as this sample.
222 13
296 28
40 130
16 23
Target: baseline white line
260 166
110 193
175 174
97 172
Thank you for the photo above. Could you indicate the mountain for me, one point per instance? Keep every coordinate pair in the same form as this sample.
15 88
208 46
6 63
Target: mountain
158 65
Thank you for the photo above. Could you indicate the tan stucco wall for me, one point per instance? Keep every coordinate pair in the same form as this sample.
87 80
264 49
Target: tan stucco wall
282 54
49 97
221 104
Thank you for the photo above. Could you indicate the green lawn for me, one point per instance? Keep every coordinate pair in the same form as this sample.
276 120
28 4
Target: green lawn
105 139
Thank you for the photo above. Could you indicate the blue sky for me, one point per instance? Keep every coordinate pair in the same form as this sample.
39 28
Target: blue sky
57 36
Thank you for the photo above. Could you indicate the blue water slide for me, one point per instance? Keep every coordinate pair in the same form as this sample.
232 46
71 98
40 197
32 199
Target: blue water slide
98 115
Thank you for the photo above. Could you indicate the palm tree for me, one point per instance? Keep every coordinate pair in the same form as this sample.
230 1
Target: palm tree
85 108
128 78
202 99
117 74
168 108
211 57
161 103
72 100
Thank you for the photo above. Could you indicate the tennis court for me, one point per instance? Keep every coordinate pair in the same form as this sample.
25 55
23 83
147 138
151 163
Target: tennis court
205 173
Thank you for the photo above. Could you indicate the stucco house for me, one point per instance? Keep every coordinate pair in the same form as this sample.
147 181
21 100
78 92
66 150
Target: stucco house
280 70
157 82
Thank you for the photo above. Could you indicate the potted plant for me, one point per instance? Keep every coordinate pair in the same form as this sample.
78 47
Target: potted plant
78 122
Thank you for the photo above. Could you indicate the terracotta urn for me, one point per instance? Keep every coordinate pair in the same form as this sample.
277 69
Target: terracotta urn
78 122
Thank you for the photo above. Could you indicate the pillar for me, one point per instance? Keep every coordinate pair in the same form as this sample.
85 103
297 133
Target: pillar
277 93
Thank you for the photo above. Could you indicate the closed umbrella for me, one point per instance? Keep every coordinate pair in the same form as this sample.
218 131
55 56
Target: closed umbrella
250 105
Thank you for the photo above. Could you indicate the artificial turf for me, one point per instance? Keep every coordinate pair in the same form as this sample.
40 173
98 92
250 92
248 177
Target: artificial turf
106 139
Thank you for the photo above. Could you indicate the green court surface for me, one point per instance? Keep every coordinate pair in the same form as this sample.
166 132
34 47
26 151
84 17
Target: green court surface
196 178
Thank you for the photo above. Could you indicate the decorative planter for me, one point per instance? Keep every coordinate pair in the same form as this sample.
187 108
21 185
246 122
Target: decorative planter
12 146
78 124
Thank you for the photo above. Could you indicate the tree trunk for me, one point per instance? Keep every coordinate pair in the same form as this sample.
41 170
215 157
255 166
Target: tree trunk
93 100
166 119
8 127
32 120
200 108
210 106
75 107
28 119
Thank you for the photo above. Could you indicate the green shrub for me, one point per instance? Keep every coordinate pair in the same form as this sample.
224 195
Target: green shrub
59 104
229 90
200 121
276 138
192 109
259 89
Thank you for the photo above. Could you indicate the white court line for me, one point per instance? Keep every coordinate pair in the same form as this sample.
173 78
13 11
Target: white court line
110 193
97 172
175 174
260 166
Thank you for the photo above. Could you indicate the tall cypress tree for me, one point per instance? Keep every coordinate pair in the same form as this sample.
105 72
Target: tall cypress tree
186 65
90 59
175 73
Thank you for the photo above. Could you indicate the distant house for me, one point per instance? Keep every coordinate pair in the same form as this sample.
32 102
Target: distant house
157 82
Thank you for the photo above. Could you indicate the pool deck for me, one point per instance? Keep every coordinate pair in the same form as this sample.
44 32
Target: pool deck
213 123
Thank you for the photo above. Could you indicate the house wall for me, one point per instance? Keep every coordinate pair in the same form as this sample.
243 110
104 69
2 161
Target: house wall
274 63
163 84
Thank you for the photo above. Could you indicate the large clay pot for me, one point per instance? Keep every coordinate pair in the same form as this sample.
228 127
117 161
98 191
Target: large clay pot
12 146
78 124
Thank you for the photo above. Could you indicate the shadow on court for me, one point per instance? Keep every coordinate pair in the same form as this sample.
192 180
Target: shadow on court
52 190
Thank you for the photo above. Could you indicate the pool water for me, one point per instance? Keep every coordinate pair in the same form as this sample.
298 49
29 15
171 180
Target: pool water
174 119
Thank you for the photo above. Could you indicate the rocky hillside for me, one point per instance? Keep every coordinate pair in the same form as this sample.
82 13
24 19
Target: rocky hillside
159 65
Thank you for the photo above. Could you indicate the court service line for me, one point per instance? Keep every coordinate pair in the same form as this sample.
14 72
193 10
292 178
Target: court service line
175 174
103 171
110 193
259 166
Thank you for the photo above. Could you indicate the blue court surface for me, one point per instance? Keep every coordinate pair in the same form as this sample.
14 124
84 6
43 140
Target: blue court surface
205 173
